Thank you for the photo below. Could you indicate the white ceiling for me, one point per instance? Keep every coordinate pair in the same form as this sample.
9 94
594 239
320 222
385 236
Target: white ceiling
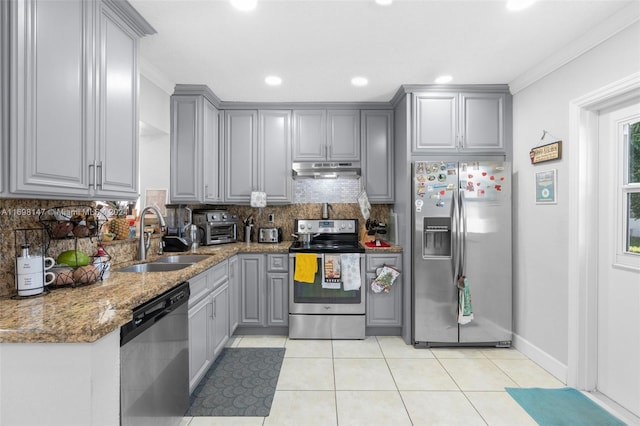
317 46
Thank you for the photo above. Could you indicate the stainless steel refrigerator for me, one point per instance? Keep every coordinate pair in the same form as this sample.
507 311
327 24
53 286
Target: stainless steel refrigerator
462 240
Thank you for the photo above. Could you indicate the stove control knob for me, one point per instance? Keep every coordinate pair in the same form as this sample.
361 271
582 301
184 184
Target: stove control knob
302 226
310 227
350 225
342 226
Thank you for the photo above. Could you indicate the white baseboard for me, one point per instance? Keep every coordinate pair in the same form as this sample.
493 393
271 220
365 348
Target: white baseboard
540 357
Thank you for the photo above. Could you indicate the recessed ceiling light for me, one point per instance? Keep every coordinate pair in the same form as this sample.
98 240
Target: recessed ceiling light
359 81
384 2
244 5
443 79
519 4
273 80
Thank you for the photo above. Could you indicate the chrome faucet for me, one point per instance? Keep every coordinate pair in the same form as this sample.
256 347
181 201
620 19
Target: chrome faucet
145 237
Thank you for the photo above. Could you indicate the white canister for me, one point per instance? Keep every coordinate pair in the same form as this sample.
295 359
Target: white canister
31 273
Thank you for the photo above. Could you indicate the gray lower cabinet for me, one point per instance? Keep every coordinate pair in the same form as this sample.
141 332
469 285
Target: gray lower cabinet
208 319
195 148
252 289
234 294
466 121
200 329
220 302
384 309
377 155
258 155
264 294
72 90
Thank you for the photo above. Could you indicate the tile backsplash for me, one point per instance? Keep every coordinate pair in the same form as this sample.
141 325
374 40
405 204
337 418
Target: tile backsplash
326 190
341 193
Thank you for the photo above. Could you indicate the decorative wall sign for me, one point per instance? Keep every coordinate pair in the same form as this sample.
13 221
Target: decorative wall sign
552 151
546 187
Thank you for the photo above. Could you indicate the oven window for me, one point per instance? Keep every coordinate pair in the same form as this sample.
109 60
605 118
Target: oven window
315 293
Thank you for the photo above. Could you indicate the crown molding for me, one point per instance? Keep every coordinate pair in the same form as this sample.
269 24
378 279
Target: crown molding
611 26
154 75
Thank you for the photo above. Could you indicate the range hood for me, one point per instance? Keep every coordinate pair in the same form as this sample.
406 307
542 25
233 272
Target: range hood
326 170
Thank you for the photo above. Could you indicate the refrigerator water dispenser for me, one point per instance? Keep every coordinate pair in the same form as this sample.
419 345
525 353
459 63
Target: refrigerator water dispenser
436 238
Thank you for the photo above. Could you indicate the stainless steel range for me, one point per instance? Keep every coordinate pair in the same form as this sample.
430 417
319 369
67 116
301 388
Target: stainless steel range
326 280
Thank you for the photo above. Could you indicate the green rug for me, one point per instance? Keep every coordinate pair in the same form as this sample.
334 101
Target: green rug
562 407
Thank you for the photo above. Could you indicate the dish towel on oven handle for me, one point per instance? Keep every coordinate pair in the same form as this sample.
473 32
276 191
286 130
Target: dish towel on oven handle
351 278
306 267
385 278
331 271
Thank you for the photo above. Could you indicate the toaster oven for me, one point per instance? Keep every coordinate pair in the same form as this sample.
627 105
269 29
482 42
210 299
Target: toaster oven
216 226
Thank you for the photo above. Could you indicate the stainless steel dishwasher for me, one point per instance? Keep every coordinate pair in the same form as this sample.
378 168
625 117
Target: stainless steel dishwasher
154 361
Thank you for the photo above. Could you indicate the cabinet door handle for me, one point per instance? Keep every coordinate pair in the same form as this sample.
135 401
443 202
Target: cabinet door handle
92 173
99 173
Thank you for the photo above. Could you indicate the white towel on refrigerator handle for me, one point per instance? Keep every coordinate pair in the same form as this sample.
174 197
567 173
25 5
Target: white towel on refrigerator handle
351 278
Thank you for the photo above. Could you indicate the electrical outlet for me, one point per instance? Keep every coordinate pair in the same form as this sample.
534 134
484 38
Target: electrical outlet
272 217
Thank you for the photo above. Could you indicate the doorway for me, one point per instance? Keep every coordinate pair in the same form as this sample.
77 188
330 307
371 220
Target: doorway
618 293
604 293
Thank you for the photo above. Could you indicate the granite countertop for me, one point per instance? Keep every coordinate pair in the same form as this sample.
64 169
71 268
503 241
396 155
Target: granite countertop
85 314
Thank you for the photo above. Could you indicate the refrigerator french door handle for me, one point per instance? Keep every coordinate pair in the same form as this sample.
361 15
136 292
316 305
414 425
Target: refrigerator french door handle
455 232
463 234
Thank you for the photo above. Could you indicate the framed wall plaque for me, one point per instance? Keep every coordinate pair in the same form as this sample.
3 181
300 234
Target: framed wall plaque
548 152
546 183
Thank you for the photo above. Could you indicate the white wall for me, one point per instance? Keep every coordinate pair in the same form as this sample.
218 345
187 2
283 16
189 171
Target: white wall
541 250
155 125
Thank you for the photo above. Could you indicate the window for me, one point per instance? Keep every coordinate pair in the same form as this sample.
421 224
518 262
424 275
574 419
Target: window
631 187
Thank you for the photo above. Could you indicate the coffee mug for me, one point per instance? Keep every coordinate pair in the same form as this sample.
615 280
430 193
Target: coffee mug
32 284
33 264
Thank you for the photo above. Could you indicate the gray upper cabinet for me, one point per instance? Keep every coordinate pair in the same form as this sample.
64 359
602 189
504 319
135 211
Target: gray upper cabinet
482 121
241 155
377 155
326 135
459 122
274 146
73 81
258 155
195 150
4 95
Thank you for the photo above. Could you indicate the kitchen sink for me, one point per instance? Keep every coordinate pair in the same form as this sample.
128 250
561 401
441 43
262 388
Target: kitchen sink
182 258
154 267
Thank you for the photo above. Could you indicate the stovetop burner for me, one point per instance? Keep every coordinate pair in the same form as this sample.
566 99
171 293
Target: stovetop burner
327 247
331 236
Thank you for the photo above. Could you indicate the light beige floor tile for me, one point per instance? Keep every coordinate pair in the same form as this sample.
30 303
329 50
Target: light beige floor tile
227 421
308 349
297 408
233 342
498 409
367 348
457 353
477 374
371 408
306 374
395 347
503 353
262 342
440 408
420 374
362 374
526 373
